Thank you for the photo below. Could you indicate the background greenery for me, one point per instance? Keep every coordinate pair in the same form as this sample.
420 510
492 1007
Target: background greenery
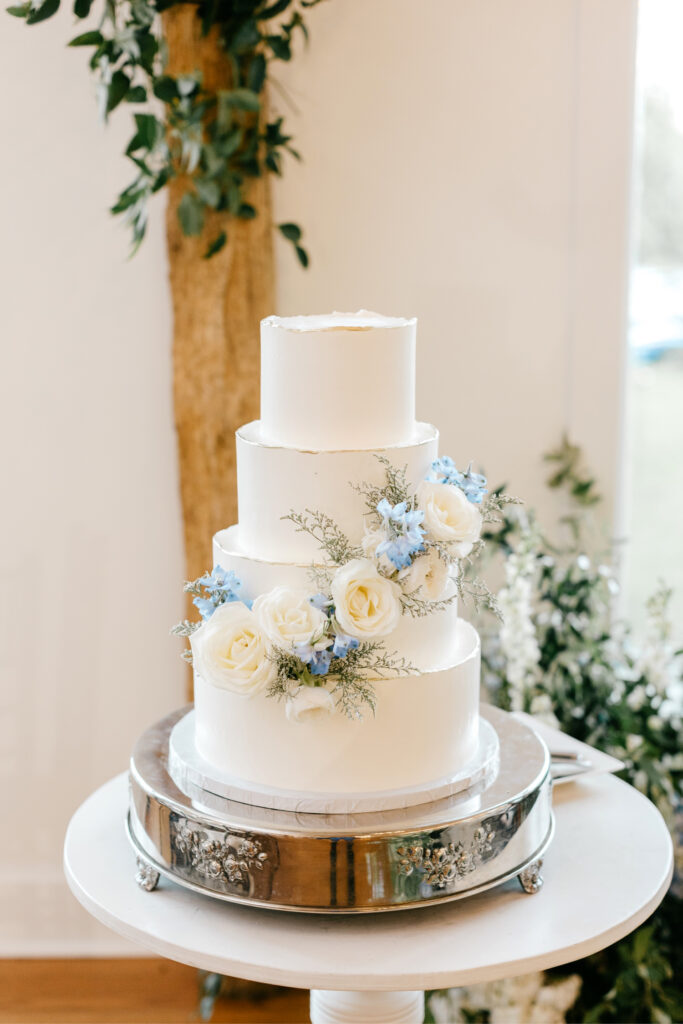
591 676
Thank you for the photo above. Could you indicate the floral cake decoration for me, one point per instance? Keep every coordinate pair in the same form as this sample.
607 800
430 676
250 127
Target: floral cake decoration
319 649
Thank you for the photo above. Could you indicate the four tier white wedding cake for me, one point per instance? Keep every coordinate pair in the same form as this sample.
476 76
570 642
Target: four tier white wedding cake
330 659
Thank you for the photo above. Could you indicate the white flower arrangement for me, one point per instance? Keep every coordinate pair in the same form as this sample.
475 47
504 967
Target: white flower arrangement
230 651
527 999
367 605
288 617
320 650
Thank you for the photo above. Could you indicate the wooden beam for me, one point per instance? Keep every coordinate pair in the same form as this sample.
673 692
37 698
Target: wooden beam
217 306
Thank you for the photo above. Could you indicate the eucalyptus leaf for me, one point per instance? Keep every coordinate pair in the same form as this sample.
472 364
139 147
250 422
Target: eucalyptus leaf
230 143
246 37
292 232
162 178
256 75
148 128
234 196
149 47
243 99
302 256
19 12
136 94
208 191
251 167
82 8
165 89
272 162
118 87
216 245
280 46
46 10
124 202
88 39
208 15
191 214
277 8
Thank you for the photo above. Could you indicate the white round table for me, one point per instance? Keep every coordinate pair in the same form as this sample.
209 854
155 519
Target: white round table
608 868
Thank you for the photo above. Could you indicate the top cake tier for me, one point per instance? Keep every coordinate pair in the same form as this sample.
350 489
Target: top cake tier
338 381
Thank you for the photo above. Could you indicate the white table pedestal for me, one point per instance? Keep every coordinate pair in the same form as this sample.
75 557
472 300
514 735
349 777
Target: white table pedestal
607 869
329 1007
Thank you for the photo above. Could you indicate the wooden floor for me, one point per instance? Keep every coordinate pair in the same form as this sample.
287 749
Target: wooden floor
135 991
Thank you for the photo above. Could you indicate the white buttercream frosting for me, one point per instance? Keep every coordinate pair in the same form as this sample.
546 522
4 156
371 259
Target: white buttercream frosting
364 319
340 380
337 390
425 727
273 480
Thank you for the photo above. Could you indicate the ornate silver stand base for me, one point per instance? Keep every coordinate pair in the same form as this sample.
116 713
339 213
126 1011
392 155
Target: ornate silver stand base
345 863
531 879
146 876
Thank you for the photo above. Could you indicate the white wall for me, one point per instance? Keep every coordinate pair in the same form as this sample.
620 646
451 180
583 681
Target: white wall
91 556
468 161
465 160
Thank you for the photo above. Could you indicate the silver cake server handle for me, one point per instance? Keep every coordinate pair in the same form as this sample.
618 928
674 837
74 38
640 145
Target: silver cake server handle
565 764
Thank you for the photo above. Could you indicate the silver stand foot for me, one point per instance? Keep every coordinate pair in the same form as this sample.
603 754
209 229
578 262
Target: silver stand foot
146 876
366 1007
531 879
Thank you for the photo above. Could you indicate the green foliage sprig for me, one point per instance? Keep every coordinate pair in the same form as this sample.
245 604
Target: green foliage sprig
394 487
351 676
330 538
218 141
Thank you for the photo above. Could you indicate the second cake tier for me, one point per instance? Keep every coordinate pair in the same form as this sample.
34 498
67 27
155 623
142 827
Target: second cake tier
274 480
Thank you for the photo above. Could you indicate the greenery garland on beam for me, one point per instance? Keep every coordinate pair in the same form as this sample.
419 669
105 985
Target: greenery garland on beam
218 140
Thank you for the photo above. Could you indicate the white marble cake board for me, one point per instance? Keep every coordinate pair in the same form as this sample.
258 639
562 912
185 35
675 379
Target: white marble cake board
195 777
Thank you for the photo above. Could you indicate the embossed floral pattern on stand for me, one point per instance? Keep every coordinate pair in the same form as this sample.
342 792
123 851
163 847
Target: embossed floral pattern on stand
217 857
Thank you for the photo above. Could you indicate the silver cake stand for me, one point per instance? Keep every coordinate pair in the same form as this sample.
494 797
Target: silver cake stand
345 863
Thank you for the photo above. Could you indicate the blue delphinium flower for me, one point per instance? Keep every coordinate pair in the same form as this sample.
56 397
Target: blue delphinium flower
405 533
322 602
444 471
343 643
222 581
222 585
473 485
391 513
318 661
399 551
205 605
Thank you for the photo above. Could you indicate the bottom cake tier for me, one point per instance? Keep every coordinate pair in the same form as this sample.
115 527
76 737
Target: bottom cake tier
425 730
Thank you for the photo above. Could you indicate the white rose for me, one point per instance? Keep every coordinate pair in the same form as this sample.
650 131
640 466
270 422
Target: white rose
366 604
287 617
427 576
230 651
449 516
308 703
